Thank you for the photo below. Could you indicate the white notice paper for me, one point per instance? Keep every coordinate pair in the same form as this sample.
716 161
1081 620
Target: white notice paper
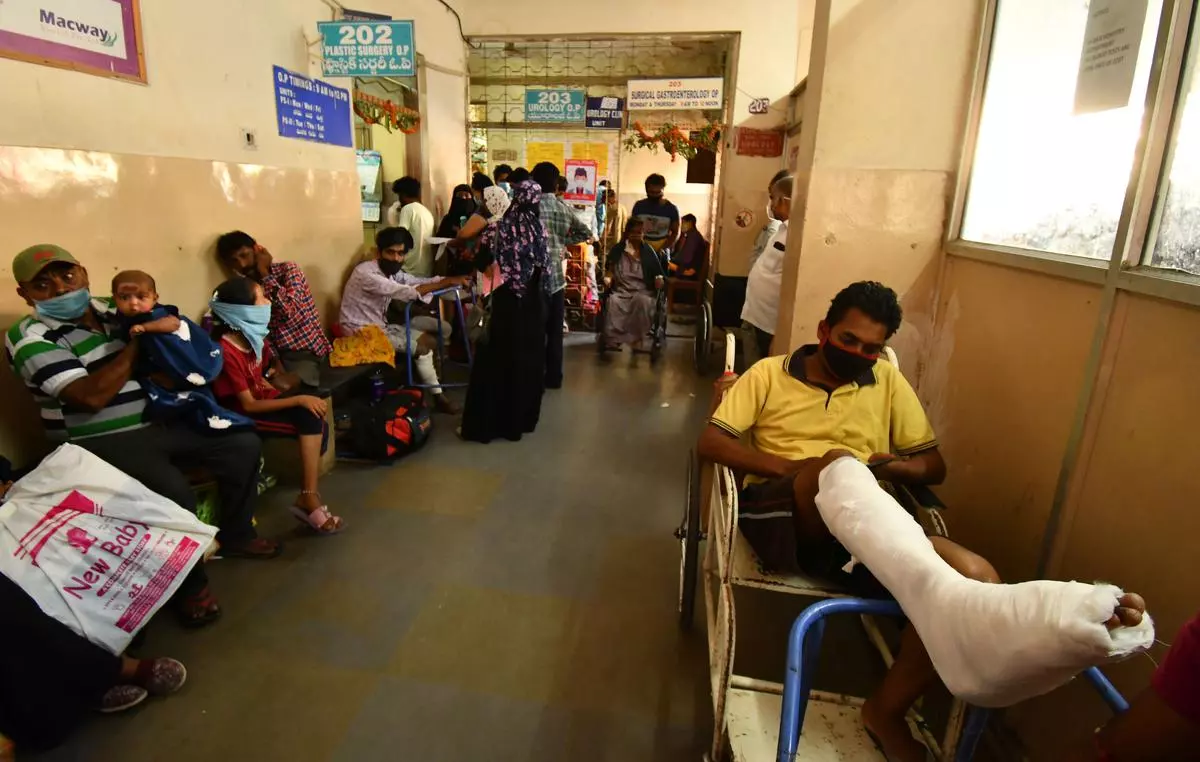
1109 57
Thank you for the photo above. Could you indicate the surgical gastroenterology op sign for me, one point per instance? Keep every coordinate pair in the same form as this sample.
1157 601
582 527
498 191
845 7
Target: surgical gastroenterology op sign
560 105
310 109
668 94
367 49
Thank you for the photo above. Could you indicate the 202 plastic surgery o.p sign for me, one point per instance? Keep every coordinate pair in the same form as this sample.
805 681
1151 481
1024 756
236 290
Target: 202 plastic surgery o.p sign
367 48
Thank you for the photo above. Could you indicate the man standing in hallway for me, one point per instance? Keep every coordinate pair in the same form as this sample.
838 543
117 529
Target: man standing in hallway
412 215
563 229
761 310
659 216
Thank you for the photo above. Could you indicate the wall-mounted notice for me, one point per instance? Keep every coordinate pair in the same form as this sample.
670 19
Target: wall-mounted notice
597 151
353 15
606 113
310 109
102 37
748 141
536 153
1111 43
558 105
581 180
367 48
666 94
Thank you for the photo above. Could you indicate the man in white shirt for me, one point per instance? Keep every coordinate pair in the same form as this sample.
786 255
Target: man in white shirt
761 310
374 284
409 213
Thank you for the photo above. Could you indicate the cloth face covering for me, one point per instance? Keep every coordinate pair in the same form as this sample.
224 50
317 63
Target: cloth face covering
250 320
993 645
389 267
845 365
66 306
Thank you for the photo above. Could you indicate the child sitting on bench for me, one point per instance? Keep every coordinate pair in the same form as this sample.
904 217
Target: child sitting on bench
241 314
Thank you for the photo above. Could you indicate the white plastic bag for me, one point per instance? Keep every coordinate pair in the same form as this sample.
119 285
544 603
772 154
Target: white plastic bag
96 549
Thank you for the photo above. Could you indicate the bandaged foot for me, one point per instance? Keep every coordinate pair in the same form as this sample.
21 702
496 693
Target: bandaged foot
993 645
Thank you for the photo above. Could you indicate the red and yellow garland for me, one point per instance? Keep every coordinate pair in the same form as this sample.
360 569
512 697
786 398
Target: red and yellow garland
374 110
675 139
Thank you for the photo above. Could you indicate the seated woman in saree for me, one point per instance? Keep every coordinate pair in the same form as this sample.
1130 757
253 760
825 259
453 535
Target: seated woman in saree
504 399
633 273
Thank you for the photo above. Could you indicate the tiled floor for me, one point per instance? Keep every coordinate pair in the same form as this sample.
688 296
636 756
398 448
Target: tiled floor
514 601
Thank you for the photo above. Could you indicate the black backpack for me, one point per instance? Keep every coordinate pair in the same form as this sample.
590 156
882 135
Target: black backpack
395 426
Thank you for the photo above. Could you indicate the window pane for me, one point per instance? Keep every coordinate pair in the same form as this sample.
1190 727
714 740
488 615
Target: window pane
1044 177
1178 243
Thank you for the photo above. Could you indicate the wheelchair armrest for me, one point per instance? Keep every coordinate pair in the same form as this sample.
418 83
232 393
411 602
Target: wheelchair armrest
921 496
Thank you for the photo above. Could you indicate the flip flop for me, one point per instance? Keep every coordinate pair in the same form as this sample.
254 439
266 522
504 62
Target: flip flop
317 518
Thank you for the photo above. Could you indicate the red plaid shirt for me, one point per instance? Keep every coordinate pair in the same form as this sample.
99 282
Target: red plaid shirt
295 324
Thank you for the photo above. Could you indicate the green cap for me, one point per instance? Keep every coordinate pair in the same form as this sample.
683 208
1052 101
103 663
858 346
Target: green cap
31 261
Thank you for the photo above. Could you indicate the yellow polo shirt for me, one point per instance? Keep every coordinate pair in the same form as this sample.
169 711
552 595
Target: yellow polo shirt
784 414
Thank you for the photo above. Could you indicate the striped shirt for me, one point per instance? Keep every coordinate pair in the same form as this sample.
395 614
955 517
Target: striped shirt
563 229
49 355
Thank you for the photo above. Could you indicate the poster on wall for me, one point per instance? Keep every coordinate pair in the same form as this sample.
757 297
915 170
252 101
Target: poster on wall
668 94
1108 59
606 113
581 180
102 37
537 152
554 105
596 151
367 48
309 109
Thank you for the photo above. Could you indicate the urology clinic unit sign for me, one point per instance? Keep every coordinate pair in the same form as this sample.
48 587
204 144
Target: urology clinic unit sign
367 49
560 105
102 37
310 109
668 94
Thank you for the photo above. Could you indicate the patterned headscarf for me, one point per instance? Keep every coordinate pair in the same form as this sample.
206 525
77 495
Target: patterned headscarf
518 240
495 202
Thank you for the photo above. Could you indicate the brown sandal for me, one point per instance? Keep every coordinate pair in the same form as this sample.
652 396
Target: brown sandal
198 610
259 548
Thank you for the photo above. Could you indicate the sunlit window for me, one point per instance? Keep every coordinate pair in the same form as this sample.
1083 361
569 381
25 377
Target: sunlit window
1046 177
1177 245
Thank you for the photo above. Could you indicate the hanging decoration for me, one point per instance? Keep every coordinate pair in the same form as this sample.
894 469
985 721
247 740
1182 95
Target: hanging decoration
381 111
676 140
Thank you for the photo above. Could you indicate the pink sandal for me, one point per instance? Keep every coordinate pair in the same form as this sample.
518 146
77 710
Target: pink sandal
317 518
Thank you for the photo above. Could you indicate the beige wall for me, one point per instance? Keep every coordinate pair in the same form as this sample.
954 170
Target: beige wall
765 68
147 176
878 150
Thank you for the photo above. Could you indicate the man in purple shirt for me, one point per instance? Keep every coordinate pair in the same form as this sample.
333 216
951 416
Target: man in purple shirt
374 284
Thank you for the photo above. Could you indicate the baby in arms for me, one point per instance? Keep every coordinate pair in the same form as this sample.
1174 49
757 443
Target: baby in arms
177 360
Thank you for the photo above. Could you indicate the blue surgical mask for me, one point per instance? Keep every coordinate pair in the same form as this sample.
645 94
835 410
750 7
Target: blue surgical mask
65 307
250 320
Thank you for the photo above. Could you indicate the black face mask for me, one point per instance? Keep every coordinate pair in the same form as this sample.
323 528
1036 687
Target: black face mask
390 267
844 364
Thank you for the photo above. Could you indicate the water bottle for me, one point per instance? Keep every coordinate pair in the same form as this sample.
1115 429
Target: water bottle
377 387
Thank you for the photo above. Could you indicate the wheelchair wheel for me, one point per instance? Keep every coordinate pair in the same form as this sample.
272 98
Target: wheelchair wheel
689 536
600 316
659 339
703 338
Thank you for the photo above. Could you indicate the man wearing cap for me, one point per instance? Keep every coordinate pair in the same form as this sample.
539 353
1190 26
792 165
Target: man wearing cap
82 378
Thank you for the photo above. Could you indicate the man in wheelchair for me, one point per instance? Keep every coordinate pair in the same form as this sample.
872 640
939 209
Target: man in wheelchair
633 277
789 417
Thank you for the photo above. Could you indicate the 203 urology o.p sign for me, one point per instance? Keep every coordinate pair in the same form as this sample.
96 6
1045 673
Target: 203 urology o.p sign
545 105
367 48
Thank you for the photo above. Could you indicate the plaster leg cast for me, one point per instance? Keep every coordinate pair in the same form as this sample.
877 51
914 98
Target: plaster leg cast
992 644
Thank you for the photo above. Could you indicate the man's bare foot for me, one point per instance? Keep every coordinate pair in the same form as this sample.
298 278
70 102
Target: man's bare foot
893 735
444 405
1128 612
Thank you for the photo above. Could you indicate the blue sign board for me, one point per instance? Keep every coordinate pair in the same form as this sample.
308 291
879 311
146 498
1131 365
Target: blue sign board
310 109
367 49
543 105
606 113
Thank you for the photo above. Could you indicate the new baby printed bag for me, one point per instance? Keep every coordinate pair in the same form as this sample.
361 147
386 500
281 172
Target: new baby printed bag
96 549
